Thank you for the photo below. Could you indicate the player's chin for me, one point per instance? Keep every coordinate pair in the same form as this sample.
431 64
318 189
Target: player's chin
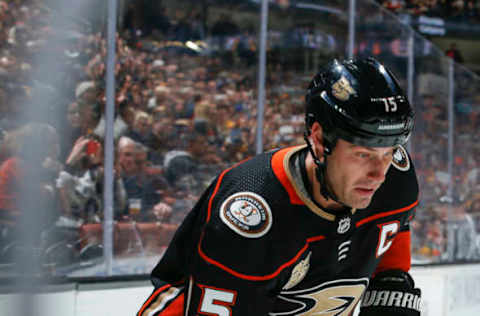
361 203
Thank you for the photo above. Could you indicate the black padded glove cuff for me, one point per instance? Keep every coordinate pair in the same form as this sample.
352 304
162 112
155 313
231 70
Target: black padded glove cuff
391 293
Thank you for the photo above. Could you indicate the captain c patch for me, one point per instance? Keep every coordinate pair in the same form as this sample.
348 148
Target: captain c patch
400 159
247 214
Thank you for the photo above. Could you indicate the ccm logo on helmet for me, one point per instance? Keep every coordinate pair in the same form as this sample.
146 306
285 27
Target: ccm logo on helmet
393 126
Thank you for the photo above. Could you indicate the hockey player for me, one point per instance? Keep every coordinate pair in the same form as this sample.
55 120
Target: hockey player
306 230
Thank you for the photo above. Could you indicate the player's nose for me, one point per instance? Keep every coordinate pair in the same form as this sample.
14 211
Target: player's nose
377 170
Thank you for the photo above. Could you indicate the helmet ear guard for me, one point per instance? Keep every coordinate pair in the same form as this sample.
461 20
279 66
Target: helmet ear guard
314 89
309 120
321 168
328 142
321 165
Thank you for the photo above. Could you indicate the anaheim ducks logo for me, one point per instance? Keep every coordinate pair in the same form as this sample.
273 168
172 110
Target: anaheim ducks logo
334 298
246 213
400 159
342 89
299 272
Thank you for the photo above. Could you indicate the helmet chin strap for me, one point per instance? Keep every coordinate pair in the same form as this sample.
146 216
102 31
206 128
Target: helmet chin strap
321 170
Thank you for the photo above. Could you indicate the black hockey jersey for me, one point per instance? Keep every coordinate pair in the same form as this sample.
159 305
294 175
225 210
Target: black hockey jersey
255 244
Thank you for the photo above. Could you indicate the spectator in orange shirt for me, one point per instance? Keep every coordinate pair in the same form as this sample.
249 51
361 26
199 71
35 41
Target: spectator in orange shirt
30 172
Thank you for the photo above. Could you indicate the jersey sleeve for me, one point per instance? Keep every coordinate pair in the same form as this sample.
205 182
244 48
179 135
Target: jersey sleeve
402 190
398 255
218 262
170 275
235 267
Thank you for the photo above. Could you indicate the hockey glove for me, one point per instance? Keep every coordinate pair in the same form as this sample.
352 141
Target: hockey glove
391 293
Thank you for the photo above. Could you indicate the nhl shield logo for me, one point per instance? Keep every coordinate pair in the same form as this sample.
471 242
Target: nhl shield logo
342 90
343 225
246 213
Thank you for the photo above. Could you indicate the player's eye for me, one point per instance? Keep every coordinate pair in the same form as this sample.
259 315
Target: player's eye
362 155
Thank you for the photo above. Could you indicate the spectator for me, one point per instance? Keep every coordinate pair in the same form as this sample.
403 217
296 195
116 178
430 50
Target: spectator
460 231
141 131
143 188
120 126
429 233
246 49
81 187
453 10
177 164
163 139
182 29
222 29
454 53
71 130
126 157
224 26
394 5
160 97
471 11
435 241
89 115
30 171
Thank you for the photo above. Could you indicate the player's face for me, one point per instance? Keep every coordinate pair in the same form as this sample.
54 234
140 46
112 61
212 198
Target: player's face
354 172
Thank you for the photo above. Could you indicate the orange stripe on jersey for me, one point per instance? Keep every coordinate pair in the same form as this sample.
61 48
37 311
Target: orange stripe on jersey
315 238
279 171
398 255
175 308
385 214
165 301
152 297
218 186
260 277
209 211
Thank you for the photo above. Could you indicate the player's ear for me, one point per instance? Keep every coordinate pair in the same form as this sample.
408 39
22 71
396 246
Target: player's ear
316 137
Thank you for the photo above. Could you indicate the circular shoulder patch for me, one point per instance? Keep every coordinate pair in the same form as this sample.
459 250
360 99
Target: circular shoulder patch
400 159
247 214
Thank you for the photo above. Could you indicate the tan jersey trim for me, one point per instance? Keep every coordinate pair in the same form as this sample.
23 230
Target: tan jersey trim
281 168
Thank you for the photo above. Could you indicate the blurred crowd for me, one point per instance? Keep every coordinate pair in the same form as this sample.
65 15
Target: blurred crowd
452 10
185 108
180 117
448 220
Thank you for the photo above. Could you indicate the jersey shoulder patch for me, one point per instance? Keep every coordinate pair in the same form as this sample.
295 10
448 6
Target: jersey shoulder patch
247 214
400 160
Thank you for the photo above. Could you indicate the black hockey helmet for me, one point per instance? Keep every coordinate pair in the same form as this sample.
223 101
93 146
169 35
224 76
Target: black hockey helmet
361 102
